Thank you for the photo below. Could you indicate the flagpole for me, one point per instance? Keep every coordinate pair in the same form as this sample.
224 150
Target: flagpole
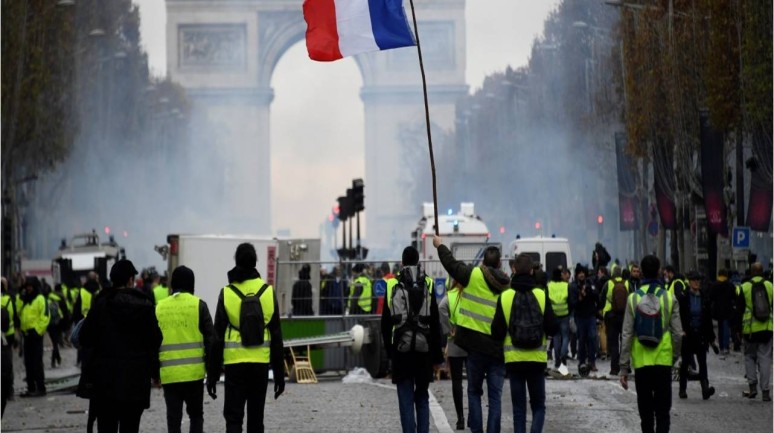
427 116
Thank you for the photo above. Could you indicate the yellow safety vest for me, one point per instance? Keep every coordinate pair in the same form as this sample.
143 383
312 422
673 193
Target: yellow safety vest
364 301
515 354
34 316
160 292
181 354
6 303
644 356
609 295
477 304
66 293
749 324
558 292
85 296
391 282
234 352
672 286
454 304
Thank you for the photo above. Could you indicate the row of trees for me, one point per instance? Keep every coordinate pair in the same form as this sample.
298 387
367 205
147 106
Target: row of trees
80 108
538 141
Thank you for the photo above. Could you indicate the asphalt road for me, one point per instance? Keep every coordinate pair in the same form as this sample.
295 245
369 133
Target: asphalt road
579 405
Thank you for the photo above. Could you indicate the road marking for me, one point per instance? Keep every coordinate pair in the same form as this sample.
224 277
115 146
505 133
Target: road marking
439 417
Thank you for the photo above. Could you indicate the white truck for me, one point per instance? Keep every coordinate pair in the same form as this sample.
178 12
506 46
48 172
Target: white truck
550 252
83 254
212 256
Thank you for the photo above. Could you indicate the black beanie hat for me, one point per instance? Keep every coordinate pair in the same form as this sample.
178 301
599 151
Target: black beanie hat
245 256
182 280
410 256
122 271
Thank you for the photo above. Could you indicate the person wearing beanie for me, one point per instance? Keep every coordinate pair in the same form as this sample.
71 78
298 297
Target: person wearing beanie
120 338
245 363
584 298
411 331
302 293
34 320
184 349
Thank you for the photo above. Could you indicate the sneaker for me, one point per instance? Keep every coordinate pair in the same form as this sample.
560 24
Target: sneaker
614 372
767 395
32 394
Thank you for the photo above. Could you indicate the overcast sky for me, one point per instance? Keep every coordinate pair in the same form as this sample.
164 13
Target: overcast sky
499 33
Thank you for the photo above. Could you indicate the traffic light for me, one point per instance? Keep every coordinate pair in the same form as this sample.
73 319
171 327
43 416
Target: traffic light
357 195
345 206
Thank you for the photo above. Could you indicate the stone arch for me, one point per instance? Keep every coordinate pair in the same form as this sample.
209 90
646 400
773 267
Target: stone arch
225 53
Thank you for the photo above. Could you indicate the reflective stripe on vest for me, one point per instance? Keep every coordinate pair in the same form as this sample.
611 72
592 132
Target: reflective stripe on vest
477 304
181 354
234 352
558 292
6 303
85 296
749 324
644 356
364 301
515 354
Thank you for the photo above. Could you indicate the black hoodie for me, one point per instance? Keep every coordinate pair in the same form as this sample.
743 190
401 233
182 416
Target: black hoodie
496 280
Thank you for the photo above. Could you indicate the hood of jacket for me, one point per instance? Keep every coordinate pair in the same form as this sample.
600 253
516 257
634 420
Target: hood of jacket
239 274
126 306
523 282
495 279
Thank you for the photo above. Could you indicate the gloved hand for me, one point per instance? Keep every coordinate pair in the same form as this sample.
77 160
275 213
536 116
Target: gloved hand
212 389
279 386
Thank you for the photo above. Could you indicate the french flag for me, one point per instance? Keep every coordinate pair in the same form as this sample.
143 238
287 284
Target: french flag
342 28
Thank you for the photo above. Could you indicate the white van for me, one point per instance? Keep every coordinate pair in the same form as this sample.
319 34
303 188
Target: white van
550 252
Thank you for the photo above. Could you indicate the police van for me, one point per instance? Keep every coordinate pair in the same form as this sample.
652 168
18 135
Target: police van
550 252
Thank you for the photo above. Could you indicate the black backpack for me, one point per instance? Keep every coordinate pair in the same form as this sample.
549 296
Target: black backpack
526 323
761 309
251 324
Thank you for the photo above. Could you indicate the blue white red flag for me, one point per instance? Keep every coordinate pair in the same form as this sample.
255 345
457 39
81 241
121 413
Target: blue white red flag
342 28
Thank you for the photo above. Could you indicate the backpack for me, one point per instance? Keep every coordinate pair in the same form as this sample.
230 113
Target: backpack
412 325
251 324
618 297
648 325
526 322
53 311
761 309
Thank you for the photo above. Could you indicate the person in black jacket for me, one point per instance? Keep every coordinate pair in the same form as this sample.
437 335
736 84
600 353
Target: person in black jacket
482 286
302 293
723 308
412 364
123 337
696 318
584 297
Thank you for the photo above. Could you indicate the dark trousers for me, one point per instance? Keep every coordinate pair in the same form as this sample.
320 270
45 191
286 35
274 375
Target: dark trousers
118 417
33 362
55 333
245 383
190 393
692 345
613 324
654 397
456 364
6 380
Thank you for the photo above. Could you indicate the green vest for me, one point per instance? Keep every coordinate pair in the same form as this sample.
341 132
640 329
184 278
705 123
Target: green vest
749 324
644 356
85 296
515 354
609 295
477 304
6 303
160 292
454 305
69 297
672 286
34 316
558 292
181 354
391 282
234 352
364 301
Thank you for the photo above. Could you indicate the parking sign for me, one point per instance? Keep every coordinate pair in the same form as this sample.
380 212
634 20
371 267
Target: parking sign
740 237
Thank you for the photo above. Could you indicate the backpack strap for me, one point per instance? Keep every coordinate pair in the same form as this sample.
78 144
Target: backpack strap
242 297
236 291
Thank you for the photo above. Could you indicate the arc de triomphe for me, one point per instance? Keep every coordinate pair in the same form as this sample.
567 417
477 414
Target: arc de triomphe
223 52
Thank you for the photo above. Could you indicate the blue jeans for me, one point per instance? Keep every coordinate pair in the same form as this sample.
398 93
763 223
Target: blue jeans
587 339
561 340
482 367
410 395
534 380
724 334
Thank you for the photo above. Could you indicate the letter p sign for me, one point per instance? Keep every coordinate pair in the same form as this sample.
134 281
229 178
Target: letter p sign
740 237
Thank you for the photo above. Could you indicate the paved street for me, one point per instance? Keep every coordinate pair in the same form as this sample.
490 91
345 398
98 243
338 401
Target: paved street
586 405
